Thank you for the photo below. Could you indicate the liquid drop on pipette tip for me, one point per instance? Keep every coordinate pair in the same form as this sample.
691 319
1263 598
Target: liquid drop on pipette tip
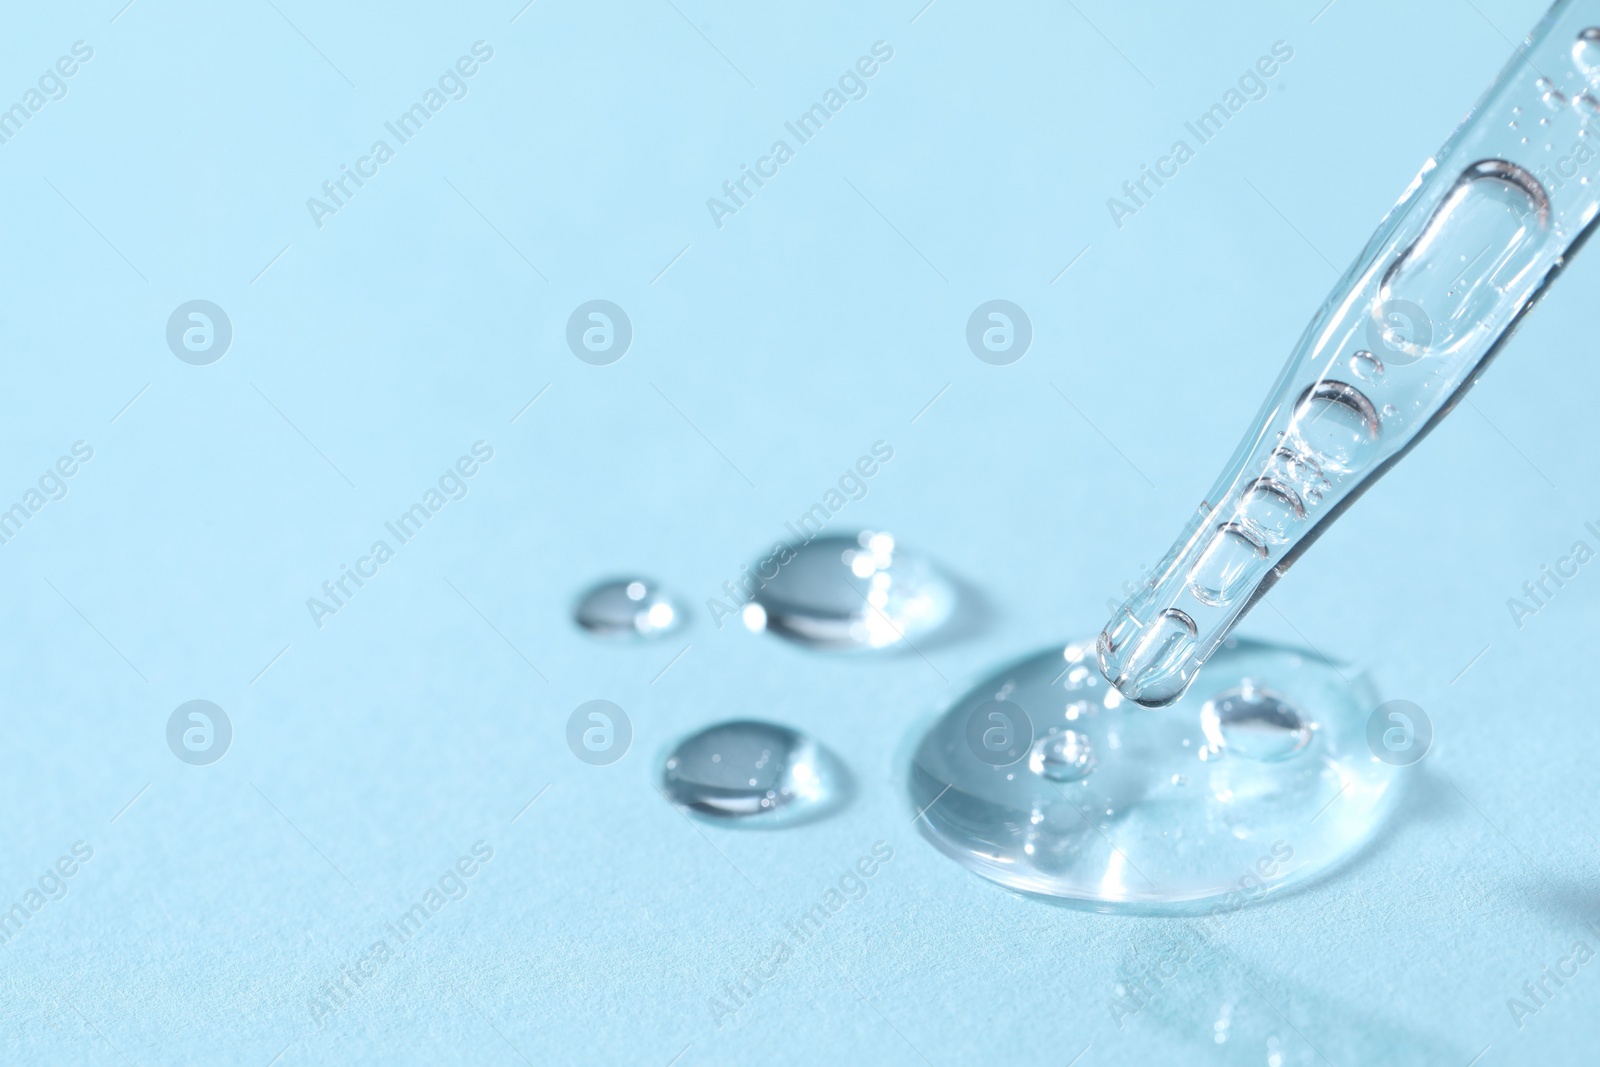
627 607
1335 423
842 591
753 773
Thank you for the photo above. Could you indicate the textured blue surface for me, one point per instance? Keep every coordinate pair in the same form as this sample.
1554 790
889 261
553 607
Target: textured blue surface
370 755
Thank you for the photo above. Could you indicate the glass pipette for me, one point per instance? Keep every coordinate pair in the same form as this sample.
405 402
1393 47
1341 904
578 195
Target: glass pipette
1476 238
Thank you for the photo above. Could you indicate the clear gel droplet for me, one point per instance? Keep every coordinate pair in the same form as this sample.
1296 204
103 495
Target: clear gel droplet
627 607
755 773
1151 803
1062 757
857 591
1586 54
1148 662
1366 366
1254 723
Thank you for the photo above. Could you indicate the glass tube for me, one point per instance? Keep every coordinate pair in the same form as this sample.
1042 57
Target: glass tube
1475 239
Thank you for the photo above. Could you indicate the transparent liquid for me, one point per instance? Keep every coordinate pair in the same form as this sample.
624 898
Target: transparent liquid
1233 793
1067 756
1254 723
758 774
627 607
851 592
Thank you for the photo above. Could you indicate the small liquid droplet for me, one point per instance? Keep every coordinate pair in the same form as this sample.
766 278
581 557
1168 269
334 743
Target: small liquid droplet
851 592
1390 411
1062 757
753 771
1254 723
1586 53
1365 365
627 607
1179 779
1548 92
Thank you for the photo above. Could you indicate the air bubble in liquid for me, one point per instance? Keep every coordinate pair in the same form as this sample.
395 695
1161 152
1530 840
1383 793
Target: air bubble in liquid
1146 661
627 607
1366 366
1291 466
758 773
857 591
1336 423
1253 723
1548 92
1062 757
1497 217
1228 565
1586 54
1270 509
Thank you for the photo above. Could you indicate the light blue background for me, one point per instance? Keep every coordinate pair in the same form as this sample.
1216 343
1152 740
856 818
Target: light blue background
376 750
